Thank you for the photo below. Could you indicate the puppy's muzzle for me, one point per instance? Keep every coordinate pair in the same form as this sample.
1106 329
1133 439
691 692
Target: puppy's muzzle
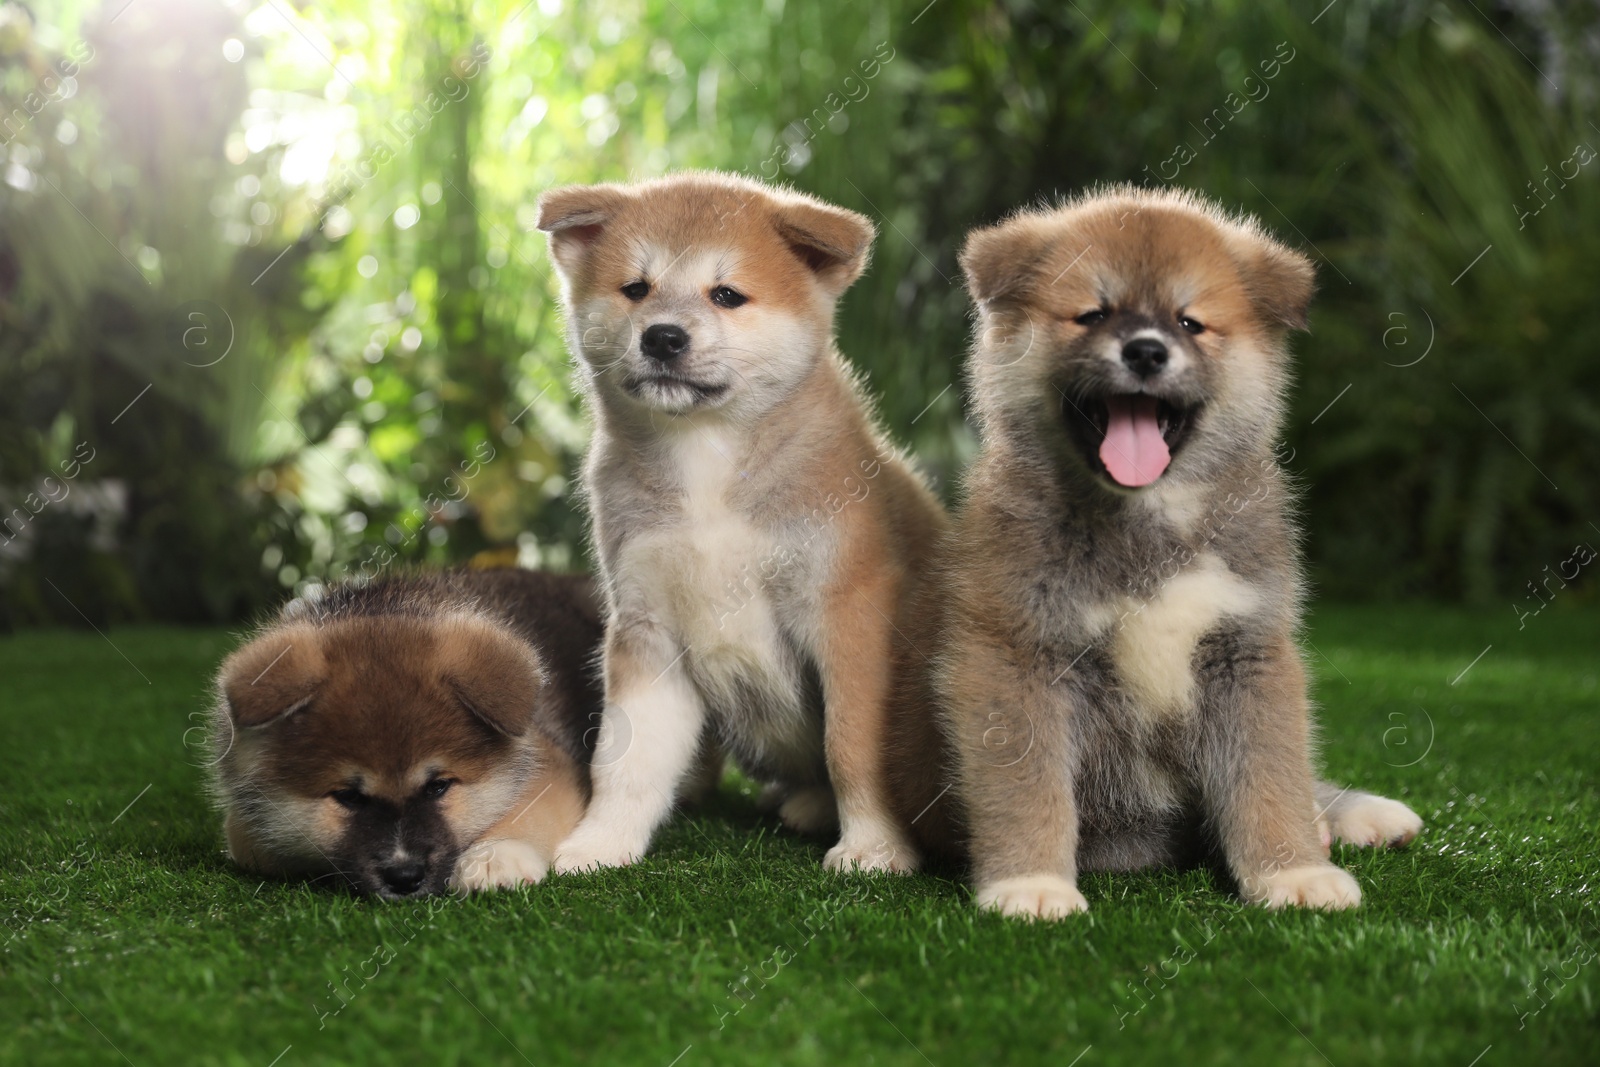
1145 356
664 342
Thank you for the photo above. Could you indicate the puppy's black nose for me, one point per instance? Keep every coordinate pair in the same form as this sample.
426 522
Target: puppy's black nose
1145 356
405 877
664 341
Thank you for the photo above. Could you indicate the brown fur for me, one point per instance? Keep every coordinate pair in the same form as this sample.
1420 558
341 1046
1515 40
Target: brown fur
755 531
795 240
1112 672
479 678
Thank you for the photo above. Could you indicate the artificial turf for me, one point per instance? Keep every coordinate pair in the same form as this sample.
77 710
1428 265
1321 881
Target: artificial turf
129 938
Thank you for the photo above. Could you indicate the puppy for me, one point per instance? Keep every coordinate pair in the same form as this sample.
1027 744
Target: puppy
412 733
1114 614
754 529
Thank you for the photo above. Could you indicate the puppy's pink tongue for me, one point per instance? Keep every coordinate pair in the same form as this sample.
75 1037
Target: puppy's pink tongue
1134 451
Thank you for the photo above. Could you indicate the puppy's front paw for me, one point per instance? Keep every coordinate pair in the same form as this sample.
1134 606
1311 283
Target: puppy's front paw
500 864
1033 896
872 848
881 856
587 850
1318 886
1370 821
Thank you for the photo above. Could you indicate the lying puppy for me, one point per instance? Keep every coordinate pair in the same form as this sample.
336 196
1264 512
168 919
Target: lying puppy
1115 611
754 529
412 733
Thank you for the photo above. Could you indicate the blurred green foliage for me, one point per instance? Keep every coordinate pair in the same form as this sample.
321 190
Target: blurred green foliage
274 265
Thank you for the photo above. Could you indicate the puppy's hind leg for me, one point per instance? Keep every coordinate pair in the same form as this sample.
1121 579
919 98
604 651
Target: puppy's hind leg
810 810
649 734
1366 819
806 809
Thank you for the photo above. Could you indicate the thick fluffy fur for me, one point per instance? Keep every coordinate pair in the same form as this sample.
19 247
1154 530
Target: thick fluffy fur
1116 675
412 733
754 530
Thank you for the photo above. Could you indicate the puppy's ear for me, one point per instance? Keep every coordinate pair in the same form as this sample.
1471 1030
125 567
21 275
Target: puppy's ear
1001 262
493 673
835 243
1280 281
273 676
574 216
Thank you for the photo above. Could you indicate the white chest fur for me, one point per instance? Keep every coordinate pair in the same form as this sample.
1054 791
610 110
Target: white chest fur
1153 641
698 569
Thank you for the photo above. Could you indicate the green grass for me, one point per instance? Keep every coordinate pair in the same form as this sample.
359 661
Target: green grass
129 937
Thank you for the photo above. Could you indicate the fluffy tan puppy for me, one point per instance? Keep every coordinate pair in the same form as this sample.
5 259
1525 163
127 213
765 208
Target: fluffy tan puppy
1113 619
754 530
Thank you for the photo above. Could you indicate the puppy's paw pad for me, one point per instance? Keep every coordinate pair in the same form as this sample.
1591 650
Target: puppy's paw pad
501 864
872 853
1034 896
1322 886
812 812
1371 821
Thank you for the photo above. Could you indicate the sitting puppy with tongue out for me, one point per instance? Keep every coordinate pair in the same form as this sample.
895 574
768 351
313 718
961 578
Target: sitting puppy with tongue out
1116 679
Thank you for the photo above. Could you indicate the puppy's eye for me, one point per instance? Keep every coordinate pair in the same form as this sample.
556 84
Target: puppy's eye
636 291
724 297
1091 318
437 788
349 798
1190 323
